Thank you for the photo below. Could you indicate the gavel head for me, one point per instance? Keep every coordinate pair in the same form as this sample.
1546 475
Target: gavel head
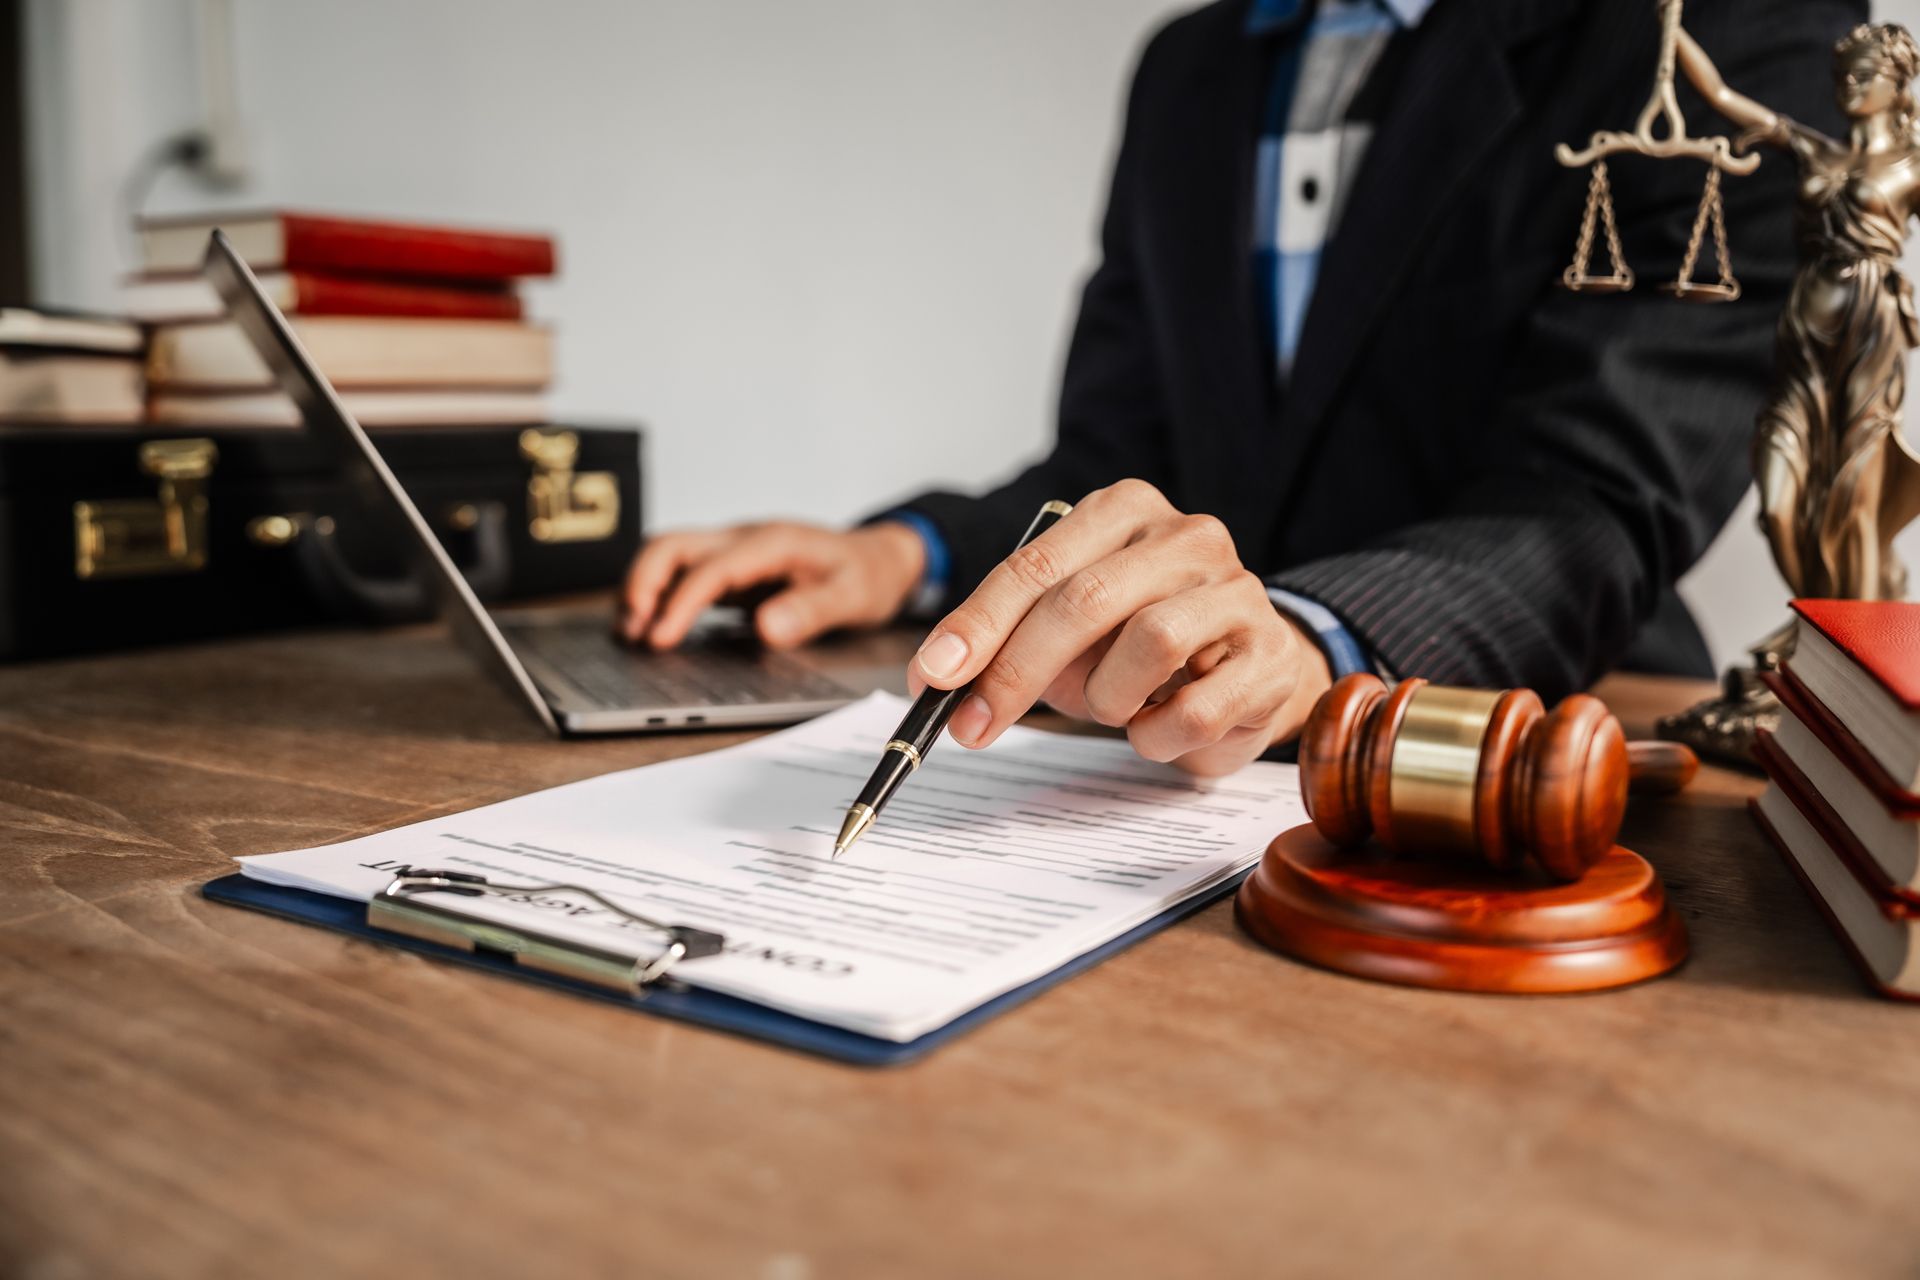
1426 768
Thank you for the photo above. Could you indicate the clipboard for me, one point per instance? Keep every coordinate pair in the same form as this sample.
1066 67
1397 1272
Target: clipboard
659 994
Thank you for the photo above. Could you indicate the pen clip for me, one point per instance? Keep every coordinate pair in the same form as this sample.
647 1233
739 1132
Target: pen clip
397 908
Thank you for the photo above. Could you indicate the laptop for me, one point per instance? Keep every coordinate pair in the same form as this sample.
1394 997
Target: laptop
568 669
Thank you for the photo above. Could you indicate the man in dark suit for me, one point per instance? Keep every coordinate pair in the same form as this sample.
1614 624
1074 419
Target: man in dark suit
1325 407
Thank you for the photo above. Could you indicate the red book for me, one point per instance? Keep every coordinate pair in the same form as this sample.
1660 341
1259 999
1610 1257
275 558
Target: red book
302 293
1869 868
1860 659
354 246
1822 724
1881 636
1878 929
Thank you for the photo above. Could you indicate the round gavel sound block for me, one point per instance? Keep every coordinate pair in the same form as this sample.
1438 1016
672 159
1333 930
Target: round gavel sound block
1440 924
1464 839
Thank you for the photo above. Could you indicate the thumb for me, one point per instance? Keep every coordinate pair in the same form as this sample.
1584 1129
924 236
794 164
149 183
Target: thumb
804 611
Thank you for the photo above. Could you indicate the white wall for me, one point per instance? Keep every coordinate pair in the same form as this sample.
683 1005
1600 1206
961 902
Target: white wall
829 251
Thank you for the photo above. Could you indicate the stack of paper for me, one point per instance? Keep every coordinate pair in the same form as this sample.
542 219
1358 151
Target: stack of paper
986 871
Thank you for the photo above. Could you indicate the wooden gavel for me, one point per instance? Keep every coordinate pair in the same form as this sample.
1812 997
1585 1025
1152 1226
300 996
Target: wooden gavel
1485 772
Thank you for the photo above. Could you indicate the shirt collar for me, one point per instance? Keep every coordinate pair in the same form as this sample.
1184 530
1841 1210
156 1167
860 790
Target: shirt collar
1267 16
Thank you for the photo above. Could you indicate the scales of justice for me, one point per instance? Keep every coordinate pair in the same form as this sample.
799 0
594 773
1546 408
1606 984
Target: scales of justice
1837 480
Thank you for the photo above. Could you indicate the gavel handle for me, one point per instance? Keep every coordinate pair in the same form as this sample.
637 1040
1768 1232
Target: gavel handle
1660 768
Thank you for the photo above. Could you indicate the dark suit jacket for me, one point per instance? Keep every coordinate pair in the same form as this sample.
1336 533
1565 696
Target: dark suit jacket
1490 480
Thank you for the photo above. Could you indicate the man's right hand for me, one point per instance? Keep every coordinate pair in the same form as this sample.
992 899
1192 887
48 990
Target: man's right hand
857 578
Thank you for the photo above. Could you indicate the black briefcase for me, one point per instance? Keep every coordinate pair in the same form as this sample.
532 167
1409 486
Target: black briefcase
111 537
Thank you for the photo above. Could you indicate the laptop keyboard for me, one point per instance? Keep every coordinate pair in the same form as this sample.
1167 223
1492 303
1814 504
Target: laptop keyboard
702 675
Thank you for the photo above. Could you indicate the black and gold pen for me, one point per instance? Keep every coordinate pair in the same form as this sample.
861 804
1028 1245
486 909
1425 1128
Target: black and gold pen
918 732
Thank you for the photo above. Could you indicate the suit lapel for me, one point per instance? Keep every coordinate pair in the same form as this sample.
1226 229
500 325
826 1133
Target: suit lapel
1204 225
1454 101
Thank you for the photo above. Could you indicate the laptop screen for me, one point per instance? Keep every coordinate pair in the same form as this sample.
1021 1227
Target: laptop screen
380 493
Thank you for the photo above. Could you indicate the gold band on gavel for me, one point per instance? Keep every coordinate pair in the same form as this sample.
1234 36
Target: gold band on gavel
1436 761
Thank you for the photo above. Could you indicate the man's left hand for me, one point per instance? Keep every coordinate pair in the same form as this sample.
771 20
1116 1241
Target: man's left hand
1133 614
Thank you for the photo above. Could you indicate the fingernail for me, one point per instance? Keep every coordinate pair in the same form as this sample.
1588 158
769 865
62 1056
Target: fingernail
943 655
970 721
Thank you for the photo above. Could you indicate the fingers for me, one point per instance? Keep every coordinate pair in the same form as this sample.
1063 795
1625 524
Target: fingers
1237 748
1213 724
1068 620
966 640
832 579
1157 643
1068 692
760 556
807 610
655 567
1240 692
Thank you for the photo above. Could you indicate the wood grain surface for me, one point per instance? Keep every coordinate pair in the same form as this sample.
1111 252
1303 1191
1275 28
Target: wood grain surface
192 1090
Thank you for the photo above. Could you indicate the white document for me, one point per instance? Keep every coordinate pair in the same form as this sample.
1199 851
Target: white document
986 870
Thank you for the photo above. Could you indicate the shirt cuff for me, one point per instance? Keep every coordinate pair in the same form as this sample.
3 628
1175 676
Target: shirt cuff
931 593
1345 655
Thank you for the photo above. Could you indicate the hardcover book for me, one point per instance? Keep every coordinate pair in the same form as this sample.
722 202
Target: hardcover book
29 329
1878 929
305 293
1860 660
1802 707
360 353
281 240
1885 847
68 367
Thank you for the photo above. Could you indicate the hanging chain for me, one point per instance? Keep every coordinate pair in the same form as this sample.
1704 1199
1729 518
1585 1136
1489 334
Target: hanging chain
1720 236
1708 199
1614 251
1599 212
1712 213
1583 247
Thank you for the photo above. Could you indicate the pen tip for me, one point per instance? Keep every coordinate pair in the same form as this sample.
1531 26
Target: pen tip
858 819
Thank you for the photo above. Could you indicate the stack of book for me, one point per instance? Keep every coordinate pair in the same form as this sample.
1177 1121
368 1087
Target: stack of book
59 368
414 325
1843 803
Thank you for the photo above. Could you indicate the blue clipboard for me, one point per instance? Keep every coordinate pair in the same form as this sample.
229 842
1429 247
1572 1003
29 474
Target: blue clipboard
690 1004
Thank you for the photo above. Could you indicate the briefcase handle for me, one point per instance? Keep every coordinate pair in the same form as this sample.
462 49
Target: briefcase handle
345 592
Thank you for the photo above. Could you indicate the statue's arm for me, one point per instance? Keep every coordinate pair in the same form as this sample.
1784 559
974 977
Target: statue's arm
1759 122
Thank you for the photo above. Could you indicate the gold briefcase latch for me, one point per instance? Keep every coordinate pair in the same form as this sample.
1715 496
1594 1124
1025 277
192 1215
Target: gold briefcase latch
564 505
131 537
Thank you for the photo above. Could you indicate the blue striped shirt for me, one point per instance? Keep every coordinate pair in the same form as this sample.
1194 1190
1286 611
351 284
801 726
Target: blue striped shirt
1310 145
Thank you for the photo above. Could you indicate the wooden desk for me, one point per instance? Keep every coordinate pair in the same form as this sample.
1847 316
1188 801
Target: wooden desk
187 1089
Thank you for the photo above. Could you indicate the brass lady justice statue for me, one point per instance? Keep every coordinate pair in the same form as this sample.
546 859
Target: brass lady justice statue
1837 480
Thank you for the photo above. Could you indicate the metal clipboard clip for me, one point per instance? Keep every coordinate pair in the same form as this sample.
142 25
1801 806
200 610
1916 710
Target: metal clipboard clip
397 909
